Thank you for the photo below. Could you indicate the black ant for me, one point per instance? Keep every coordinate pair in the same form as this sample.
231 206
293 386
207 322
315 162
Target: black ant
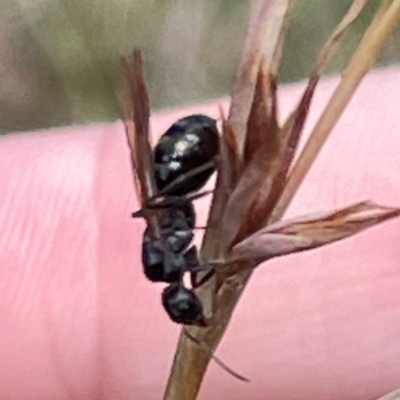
166 180
191 144
184 159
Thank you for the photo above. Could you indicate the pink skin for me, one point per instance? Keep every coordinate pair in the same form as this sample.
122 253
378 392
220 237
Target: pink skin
80 321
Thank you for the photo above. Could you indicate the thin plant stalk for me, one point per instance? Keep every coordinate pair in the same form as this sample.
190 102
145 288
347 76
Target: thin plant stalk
361 62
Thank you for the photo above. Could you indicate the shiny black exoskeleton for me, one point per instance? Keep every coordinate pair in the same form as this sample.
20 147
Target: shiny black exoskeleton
182 305
177 223
162 265
189 146
165 259
184 159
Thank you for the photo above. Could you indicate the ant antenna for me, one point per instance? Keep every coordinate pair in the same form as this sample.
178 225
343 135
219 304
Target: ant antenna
180 180
168 202
210 352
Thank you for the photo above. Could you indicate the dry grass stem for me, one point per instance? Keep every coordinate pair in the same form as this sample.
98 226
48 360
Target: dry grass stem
247 117
362 60
190 362
333 42
136 115
293 127
264 39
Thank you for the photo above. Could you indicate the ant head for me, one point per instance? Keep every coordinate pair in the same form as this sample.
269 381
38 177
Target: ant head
182 305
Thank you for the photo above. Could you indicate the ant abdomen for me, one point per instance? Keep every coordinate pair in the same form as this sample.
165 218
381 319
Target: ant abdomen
188 144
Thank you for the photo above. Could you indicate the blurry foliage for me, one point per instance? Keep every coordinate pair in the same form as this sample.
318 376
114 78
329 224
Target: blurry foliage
59 58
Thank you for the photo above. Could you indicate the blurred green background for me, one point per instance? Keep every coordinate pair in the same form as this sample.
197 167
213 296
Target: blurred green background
59 58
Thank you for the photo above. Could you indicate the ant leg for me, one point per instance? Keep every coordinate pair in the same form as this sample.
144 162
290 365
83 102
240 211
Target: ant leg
195 196
173 201
167 202
180 180
193 278
207 348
